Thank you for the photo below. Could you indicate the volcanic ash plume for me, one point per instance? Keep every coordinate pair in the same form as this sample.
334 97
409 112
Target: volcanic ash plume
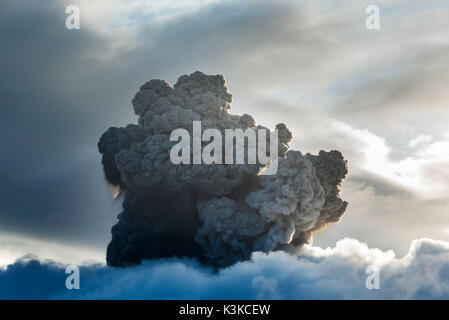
217 213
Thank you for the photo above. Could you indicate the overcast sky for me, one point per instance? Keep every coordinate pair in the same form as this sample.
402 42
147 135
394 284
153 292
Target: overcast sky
378 96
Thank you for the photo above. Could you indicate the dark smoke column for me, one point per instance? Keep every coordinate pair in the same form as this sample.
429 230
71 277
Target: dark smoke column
216 213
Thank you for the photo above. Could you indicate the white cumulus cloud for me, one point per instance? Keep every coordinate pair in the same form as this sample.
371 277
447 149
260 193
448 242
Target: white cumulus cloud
315 273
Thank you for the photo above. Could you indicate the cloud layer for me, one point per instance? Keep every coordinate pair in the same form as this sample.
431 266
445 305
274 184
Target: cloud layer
332 273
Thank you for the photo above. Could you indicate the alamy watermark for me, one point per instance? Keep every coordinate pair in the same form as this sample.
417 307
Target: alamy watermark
73 280
372 22
72 22
373 280
234 140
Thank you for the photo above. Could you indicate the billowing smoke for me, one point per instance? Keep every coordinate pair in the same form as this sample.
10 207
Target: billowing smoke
217 213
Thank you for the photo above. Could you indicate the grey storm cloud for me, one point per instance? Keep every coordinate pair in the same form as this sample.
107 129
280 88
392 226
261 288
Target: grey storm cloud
43 128
224 211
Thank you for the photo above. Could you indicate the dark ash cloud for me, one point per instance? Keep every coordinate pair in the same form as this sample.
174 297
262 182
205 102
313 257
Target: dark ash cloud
222 212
